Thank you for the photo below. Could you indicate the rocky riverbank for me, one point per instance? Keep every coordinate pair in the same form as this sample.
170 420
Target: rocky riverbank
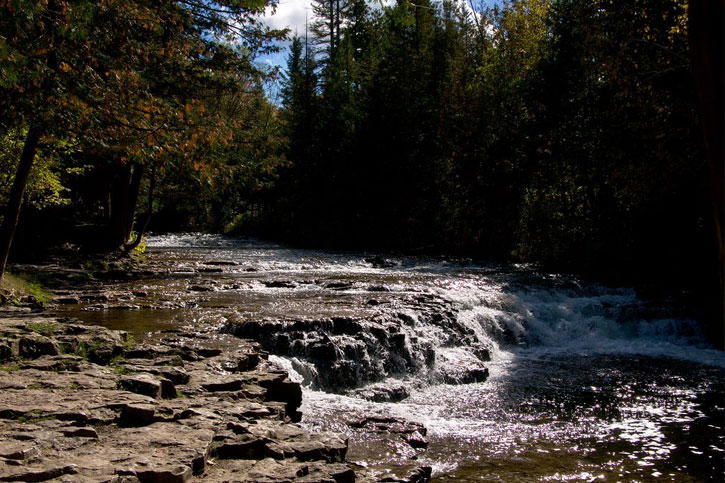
84 403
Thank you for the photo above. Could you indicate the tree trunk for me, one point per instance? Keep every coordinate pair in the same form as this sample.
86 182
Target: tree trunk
125 188
10 222
706 45
149 210
134 188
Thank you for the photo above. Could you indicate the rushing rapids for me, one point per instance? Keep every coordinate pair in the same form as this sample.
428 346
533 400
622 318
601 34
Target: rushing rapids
515 375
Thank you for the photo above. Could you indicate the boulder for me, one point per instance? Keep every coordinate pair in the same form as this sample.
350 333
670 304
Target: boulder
33 346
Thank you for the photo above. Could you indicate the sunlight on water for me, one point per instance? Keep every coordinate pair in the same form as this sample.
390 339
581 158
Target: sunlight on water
586 382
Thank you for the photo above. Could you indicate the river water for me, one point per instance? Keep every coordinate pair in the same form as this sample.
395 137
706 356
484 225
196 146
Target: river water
584 382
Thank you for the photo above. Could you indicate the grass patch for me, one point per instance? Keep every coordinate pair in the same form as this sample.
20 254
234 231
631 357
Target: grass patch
9 367
121 369
128 341
33 420
20 286
43 328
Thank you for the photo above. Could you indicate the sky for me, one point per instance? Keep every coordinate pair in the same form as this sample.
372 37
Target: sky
291 14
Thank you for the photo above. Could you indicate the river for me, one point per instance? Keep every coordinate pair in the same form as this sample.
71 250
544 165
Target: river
516 375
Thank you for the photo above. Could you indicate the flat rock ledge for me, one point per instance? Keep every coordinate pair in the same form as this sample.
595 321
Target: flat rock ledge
81 403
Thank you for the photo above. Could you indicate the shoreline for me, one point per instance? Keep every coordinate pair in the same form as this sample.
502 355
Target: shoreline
84 403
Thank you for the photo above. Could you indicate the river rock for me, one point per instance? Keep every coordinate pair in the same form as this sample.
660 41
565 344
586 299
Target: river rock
95 422
33 346
459 366
141 384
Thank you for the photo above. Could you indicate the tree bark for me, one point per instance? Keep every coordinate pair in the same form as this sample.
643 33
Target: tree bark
134 189
149 210
118 215
706 45
12 213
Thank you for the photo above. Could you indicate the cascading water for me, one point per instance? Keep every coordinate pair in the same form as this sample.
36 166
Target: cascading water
517 375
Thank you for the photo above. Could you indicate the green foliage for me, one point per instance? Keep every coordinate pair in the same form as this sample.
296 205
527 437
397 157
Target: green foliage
20 286
127 84
44 187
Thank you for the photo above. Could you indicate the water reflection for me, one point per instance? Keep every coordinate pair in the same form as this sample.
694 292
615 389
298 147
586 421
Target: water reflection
587 383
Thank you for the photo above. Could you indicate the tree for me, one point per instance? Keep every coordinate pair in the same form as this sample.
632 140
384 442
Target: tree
127 78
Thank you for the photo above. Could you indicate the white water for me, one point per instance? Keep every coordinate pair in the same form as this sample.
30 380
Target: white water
586 381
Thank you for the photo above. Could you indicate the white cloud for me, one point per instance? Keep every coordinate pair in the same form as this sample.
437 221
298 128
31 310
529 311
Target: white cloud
290 14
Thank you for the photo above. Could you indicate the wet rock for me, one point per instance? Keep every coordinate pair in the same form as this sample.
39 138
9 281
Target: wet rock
378 288
382 392
67 300
458 366
338 285
116 274
416 440
208 351
420 474
201 288
209 270
95 298
380 262
279 284
222 263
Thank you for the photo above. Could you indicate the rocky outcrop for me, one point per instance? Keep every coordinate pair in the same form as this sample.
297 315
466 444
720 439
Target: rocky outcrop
341 354
81 403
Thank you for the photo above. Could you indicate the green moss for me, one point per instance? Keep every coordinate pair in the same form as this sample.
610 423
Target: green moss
21 286
9 367
33 420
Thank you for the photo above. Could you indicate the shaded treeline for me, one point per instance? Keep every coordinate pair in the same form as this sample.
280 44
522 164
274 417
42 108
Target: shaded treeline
561 132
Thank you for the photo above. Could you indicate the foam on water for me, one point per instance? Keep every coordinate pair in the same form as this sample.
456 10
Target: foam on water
591 320
576 368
